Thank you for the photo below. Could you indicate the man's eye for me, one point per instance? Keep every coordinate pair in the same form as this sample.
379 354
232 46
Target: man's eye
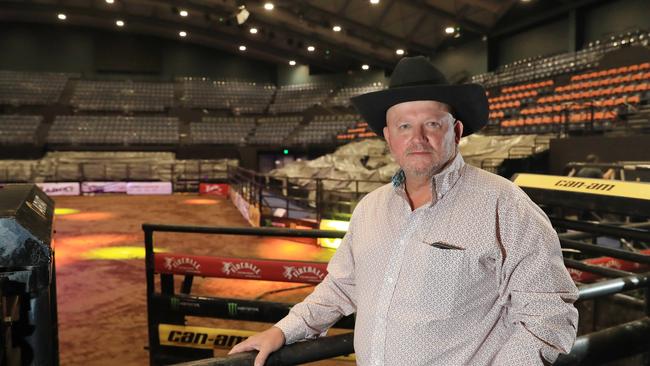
433 124
404 126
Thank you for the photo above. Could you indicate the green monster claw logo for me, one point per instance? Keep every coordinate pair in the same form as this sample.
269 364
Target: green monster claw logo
174 302
232 309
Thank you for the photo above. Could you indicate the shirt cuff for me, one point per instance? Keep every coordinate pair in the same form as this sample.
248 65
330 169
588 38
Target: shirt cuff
292 327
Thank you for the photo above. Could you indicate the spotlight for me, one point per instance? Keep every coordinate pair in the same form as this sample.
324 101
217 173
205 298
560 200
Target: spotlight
110 1
365 67
399 51
119 23
182 33
61 16
183 13
253 30
292 63
374 2
242 48
450 30
336 28
311 48
269 6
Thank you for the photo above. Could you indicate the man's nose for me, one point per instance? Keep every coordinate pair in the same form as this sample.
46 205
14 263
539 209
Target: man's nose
419 134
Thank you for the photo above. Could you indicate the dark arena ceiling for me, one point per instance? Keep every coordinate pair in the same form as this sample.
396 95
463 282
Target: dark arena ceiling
367 33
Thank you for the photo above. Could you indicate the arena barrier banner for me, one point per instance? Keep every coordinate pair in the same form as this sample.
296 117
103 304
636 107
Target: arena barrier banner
207 338
214 189
149 188
604 187
103 187
251 269
249 211
60 188
586 277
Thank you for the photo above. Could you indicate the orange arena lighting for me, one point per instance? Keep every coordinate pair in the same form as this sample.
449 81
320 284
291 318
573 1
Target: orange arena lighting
117 253
338 225
200 201
88 216
70 249
278 248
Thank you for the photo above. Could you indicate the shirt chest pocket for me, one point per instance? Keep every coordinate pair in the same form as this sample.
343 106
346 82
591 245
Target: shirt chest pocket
434 278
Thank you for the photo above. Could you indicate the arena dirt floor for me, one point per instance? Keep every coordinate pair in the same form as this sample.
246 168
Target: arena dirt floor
101 279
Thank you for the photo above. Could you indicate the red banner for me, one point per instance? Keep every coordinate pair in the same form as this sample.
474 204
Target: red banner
214 189
242 268
587 277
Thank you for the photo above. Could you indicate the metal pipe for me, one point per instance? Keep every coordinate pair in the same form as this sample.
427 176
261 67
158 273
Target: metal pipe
294 354
615 253
610 230
613 286
609 344
603 271
255 231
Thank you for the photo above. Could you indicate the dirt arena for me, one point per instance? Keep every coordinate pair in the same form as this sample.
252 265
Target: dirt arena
101 279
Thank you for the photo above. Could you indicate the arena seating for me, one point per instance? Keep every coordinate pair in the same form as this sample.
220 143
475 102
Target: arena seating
32 88
298 97
16 129
94 95
566 63
221 130
83 130
237 96
342 97
597 96
324 128
358 132
274 130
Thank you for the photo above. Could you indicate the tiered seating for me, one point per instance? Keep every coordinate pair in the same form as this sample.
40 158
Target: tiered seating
323 129
31 88
221 130
512 98
358 132
545 67
274 130
595 97
298 97
123 96
237 96
113 130
19 129
342 97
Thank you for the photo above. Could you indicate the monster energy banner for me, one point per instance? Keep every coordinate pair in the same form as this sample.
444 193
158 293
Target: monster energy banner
235 309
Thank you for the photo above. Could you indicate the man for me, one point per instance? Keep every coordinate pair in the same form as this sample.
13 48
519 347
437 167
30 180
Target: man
449 264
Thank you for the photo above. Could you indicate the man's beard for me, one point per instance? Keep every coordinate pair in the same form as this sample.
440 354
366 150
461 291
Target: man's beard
449 150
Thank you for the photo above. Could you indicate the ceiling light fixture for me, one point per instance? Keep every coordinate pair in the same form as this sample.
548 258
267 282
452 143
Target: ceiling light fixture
242 48
119 23
182 33
374 2
365 67
311 48
336 28
253 30
450 30
399 51
292 63
62 16
110 1
269 6
183 13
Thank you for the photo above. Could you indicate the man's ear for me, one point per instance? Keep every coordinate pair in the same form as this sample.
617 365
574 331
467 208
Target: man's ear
386 136
458 131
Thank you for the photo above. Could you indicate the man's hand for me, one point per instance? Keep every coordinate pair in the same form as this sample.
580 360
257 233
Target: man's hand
266 342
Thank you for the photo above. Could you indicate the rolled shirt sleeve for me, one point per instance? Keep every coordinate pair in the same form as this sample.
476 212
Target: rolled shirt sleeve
536 288
331 300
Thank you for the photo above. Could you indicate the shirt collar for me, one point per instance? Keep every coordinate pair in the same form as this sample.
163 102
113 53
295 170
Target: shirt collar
441 182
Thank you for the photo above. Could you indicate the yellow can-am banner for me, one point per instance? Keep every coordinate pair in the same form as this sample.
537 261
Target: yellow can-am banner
603 187
206 338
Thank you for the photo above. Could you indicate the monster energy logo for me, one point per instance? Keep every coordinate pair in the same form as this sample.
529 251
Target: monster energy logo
232 308
174 302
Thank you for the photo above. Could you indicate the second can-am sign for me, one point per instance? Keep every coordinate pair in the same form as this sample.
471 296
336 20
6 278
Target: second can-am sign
103 187
60 189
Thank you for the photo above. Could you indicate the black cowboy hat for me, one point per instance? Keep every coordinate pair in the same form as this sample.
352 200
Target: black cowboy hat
415 78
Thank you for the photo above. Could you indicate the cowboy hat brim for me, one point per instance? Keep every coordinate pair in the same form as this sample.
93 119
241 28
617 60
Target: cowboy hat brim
469 103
